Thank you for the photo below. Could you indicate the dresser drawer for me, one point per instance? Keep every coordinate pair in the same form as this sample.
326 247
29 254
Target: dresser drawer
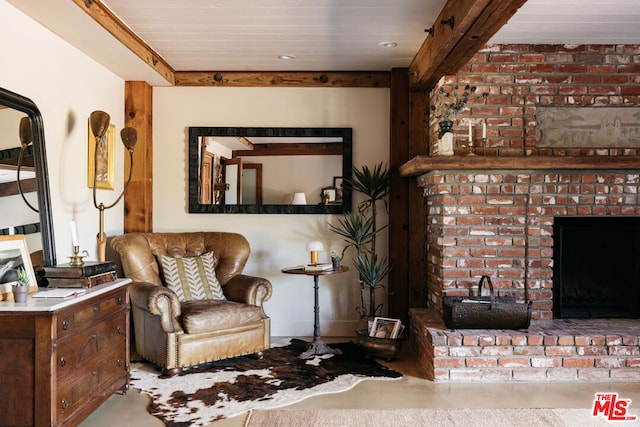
77 354
79 316
89 361
75 391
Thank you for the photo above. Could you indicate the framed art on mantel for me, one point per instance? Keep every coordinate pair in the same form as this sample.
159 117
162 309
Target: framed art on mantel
105 166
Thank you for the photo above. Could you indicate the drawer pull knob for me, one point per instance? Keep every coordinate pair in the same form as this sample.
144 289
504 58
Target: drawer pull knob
63 361
119 361
120 300
119 328
65 325
96 308
65 404
94 335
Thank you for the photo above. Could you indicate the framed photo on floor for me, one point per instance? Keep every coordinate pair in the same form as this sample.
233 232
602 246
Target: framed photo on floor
384 327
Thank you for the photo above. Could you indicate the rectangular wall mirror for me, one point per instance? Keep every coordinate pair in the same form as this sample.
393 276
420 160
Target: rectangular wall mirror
269 170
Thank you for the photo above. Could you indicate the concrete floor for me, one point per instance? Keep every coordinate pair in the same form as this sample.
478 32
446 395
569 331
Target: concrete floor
412 391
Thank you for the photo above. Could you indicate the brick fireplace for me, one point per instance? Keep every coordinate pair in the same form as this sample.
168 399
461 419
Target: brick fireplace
494 214
500 223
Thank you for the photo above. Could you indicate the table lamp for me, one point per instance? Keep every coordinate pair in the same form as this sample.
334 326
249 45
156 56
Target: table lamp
299 199
314 247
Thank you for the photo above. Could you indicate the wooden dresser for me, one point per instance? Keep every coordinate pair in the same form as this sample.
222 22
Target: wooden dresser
62 358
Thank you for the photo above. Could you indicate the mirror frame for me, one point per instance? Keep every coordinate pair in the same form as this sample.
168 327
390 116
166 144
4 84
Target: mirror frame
347 156
21 103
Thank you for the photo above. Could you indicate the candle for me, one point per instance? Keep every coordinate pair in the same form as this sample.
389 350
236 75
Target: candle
470 131
12 230
484 129
74 233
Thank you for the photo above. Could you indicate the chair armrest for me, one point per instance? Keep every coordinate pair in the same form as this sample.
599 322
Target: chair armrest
159 301
248 289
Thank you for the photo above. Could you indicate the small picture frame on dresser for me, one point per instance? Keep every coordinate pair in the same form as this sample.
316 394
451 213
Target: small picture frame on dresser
15 257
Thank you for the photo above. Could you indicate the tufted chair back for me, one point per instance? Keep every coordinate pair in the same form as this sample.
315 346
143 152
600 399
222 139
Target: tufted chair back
139 252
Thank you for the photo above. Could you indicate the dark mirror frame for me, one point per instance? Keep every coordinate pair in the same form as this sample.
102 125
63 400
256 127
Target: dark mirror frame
194 202
20 103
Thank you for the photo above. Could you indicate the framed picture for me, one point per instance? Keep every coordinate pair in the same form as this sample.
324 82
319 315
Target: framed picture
104 168
331 191
338 182
14 255
384 327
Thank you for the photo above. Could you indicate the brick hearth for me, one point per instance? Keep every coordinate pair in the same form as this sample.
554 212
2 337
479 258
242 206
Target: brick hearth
553 350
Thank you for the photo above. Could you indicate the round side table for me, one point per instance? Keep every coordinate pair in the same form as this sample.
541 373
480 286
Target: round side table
317 347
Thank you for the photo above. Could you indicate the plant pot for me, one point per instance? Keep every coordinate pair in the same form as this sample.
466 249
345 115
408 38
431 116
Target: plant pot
20 293
384 348
336 262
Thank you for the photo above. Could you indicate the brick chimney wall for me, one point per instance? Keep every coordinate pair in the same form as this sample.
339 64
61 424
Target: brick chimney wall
518 78
500 223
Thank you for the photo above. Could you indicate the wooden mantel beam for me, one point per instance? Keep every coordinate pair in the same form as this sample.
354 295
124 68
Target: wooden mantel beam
462 28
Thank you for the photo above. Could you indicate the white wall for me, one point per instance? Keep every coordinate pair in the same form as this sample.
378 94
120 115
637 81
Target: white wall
277 241
67 86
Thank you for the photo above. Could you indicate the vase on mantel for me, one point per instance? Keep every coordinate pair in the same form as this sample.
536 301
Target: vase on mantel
445 138
444 127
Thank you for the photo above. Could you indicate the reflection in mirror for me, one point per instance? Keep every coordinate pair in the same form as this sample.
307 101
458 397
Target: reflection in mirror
268 170
17 216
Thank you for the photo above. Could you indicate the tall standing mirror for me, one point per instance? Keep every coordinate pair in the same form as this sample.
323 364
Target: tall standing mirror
25 205
269 170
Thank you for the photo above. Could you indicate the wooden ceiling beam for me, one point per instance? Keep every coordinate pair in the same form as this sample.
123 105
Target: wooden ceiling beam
110 22
245 141
284 78
292 149
461 29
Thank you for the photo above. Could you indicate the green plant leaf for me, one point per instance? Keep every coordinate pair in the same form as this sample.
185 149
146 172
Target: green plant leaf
372 271
355 229
373 184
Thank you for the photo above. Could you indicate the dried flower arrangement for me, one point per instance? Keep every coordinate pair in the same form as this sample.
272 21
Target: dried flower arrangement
449 104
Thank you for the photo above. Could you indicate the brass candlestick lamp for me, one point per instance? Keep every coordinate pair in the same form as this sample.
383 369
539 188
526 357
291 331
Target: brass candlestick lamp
99 124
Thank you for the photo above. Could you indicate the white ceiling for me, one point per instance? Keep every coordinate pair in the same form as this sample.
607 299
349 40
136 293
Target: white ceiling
323 35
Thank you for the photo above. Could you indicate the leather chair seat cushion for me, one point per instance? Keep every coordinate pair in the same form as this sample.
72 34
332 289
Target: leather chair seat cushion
213 315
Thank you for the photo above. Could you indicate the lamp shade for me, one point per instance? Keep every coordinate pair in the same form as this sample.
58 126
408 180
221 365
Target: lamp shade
315 246
299 199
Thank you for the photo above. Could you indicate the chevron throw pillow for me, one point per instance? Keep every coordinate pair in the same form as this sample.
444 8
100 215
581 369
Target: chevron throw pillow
192 278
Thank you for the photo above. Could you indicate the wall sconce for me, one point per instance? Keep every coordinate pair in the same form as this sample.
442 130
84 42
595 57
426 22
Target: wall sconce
99 124
314 247
26 138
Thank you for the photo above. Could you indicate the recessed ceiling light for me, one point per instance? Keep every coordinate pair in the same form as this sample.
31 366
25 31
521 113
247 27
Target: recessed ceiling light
387 44
286 57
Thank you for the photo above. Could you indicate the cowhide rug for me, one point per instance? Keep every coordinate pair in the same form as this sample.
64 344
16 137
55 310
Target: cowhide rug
231 387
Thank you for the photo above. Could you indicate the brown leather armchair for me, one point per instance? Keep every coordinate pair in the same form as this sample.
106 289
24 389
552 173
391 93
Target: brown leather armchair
176 334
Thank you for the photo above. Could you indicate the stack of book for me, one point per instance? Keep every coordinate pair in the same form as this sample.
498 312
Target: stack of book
91 273
318 267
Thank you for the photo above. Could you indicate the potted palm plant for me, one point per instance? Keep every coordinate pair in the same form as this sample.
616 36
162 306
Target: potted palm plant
359 230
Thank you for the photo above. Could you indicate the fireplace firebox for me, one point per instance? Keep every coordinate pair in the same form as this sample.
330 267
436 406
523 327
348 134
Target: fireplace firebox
596 270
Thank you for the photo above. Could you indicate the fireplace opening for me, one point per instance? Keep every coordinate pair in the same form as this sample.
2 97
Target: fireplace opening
596 267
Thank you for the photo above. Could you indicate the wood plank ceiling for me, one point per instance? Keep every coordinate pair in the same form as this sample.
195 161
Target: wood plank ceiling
463 26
